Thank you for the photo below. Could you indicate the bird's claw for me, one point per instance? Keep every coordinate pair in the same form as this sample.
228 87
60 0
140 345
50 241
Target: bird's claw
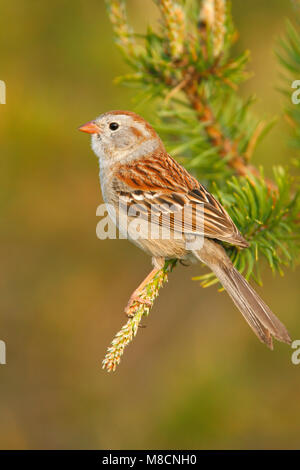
137 299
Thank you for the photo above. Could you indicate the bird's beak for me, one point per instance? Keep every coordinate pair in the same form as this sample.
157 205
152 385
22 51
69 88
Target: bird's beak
90 127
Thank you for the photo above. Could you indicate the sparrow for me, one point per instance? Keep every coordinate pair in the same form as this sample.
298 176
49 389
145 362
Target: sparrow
137 172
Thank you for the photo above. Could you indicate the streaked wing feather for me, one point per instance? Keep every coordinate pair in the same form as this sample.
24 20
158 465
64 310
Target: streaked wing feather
159 181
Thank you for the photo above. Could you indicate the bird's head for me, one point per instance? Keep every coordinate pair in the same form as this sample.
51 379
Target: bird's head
121 136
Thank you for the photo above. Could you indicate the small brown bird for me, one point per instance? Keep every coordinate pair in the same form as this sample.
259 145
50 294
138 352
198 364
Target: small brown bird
136 170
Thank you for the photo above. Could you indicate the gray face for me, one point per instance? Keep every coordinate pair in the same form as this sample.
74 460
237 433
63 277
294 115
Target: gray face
118 135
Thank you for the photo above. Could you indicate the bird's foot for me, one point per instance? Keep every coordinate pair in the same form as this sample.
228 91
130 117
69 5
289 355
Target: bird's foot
135 298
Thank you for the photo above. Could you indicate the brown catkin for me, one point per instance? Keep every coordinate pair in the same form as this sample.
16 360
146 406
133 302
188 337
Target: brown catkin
213 16
117 15
174 19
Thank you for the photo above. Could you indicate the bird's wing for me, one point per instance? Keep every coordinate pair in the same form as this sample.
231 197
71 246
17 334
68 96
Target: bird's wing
158 183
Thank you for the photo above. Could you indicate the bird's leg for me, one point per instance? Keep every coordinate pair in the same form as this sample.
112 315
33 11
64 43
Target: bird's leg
136 295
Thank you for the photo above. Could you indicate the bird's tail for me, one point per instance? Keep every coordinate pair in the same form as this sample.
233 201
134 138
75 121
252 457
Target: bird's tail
258 315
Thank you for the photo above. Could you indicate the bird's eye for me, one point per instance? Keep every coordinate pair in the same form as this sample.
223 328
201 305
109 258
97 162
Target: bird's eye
113 126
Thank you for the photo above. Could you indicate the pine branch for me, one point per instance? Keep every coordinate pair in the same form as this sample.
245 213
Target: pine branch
270 222
182 61
226 146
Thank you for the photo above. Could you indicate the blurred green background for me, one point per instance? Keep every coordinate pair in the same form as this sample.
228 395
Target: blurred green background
196 377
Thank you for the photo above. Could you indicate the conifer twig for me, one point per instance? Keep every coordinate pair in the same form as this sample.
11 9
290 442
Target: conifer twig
136 312
123 33
212 15
174 19
225 144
